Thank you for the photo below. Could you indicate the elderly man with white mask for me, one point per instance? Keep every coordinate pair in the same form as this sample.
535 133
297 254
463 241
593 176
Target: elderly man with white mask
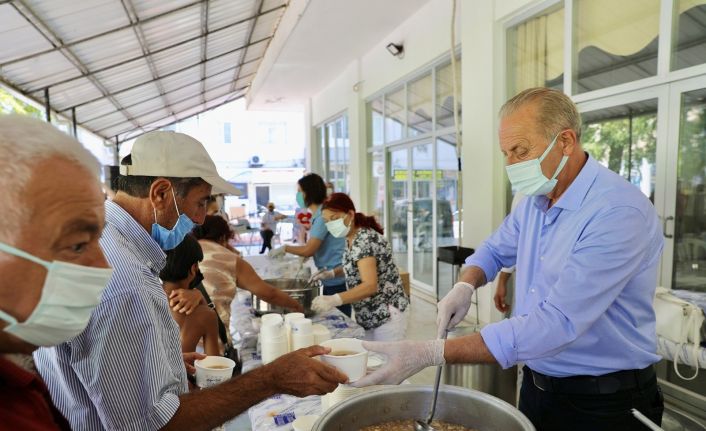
587 246
53 270
126 371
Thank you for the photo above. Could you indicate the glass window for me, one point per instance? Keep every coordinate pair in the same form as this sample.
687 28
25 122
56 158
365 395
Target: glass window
689 269
447 216
394 115
444 95
377 186
689 33
226 133
614 43
624 139
536 52
321 137
423 213
419 106
335 153
376 124
398 198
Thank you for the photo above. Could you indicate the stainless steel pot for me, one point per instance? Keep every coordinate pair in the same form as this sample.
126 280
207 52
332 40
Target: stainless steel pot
299 289
461 406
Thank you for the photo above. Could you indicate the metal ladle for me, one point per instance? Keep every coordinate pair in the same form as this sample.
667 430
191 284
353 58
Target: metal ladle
426 425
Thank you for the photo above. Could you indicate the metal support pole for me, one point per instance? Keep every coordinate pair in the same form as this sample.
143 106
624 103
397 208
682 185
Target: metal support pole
47 105
74 124
116 153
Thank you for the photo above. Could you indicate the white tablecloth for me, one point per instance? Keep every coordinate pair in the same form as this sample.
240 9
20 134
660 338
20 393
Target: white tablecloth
278 412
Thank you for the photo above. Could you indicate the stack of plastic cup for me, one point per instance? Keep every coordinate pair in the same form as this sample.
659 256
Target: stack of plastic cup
321 333
302 334
342 393
273 338
288 318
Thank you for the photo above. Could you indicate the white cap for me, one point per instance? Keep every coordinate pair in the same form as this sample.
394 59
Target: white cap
172 154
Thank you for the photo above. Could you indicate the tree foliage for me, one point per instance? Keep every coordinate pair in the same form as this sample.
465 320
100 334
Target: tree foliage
10 104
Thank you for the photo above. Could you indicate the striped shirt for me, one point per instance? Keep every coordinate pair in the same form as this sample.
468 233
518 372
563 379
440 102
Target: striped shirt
125 371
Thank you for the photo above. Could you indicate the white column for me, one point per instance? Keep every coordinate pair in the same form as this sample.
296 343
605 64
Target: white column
483 89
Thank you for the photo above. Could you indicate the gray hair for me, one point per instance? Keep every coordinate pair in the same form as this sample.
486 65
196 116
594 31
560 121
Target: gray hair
25 142
555 110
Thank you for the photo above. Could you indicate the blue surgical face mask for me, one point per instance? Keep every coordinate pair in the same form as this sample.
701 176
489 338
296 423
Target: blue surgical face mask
300 200
170 238
527 177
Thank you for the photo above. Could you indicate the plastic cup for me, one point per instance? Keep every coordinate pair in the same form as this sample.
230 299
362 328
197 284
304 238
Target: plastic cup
271 317
269 350
321 333
300 341
348 355
305 423
213 370
272 330
292 316
301 326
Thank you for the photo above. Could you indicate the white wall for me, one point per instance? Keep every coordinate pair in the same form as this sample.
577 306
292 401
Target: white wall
426 38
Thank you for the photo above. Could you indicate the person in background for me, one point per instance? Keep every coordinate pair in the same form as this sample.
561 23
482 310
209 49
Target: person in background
53 270
302 224
268 226
181 272
375 286
326 249
505 274
587 245
224 271
126 370
214 207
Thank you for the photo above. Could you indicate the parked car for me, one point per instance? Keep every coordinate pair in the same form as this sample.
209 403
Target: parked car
422 218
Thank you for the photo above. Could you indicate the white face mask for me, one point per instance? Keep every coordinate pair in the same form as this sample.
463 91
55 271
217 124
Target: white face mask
338 228
69 295
527 177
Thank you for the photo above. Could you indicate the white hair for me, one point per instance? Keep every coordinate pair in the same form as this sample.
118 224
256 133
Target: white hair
25 142
555 110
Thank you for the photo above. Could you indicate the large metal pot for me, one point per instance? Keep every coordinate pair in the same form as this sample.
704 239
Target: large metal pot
299 289
461 406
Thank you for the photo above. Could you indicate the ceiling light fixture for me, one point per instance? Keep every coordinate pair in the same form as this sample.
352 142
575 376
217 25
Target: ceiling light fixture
396 49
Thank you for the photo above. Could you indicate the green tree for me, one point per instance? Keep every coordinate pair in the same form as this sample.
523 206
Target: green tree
10 104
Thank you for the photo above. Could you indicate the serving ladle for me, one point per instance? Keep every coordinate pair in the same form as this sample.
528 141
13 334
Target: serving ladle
420 425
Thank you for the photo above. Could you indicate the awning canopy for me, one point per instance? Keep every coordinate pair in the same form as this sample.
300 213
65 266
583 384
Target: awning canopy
125 67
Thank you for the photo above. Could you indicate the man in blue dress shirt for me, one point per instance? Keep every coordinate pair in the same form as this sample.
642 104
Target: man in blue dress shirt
587 248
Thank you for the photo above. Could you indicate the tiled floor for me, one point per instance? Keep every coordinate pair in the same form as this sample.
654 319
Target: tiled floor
422 326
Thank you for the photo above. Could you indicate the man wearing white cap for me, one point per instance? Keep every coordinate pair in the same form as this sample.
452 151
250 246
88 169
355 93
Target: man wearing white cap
126 370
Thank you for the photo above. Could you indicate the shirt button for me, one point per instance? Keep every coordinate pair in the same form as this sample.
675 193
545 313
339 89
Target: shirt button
532 290
541 257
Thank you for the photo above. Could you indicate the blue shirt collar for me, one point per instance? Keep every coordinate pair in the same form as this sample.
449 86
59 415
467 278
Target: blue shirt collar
577 190
138 238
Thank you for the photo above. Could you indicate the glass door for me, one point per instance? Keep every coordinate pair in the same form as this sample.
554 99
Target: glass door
422 226
400 204
684 261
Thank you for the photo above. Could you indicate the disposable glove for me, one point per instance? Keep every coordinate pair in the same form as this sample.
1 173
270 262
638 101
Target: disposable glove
277 253
404 359
324 303
453 308
324 274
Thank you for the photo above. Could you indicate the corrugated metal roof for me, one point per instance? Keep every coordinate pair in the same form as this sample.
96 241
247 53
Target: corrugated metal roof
130 66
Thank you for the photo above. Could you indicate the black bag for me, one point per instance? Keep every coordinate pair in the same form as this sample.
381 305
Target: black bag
229 351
